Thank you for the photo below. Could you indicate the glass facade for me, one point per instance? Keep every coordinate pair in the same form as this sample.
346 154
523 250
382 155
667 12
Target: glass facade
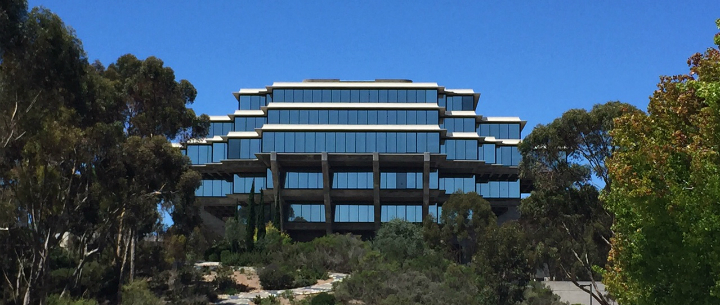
354 213
354 117
351 142
499 131
307 213
352 96
296 124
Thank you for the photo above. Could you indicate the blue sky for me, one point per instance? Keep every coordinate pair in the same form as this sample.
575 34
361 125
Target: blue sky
532 59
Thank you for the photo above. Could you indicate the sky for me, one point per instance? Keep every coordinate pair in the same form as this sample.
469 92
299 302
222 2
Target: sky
530 59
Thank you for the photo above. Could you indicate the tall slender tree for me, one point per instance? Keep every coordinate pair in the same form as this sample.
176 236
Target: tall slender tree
261 217
251 221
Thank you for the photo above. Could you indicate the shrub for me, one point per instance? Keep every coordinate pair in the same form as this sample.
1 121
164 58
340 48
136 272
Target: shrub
323 298
273 277
137 293
55 299
308 276
400 240
213 257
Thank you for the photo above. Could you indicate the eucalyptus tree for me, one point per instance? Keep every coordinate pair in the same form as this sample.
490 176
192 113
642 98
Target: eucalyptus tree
566 221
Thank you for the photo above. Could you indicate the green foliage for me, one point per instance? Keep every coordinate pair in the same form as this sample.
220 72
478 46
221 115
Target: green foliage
137 293
323 298
567 223
57 300
273 277
666 186
465 220
399 240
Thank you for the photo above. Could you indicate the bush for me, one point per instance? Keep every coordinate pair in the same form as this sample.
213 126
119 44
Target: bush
55 299
273 277
137 293
323 298
308 276
400 240
213 257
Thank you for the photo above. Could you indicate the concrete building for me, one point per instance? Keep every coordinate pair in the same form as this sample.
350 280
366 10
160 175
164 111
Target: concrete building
345 156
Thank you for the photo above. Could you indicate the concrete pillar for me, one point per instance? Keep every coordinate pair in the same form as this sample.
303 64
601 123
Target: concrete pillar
329 215
277 188
376 189
426 185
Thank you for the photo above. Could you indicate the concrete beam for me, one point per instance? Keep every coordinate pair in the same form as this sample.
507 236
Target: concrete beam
426 186
376 190
326 194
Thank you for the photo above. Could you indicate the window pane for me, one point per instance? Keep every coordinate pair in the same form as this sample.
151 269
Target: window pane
364 96
345 96
335 96
279 95
401 142
392 96
382 117
402 96
382 96
334 115
373 96
354 96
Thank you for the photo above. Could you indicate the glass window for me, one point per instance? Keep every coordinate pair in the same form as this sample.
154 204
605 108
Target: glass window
401 142
343 116
307 96
421 142
319 142
244 149
273 118
313 117
433 143
219 152
330 142
432 117
323 116
494 130
279 95
402 96
303 116
373 96
299 142
364 96
233 149
392 142
489 153
345 96
317 96
294 116
340 141
392 117
350 142
268 142
382 117
280 141
372 117
503 134
334 116
326 96
411 145
284 116
467 102
245 102
442 101
514 131
411 96
371 142
382 142
411 117
254 102
352 117
362 117
354 96
361 143
392 96
309 141
382 96
431 96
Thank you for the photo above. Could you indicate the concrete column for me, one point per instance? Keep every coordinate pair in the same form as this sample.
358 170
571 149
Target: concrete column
329 215
376 190
426 185
277 188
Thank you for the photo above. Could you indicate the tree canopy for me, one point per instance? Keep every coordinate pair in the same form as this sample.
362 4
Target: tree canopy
666 187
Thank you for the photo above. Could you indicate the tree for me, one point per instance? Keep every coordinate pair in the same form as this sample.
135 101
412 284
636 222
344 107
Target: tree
251 221
465 220
502 263
566 221
666 187
261 217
